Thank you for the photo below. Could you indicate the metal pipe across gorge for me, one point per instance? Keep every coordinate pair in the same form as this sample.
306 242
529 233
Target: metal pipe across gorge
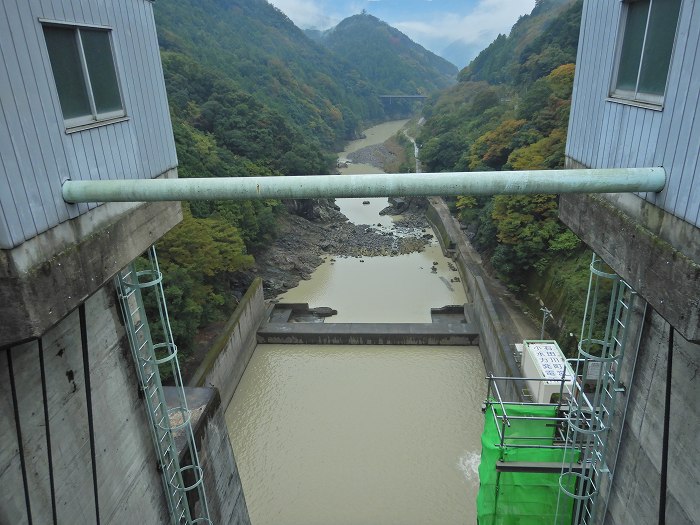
616 180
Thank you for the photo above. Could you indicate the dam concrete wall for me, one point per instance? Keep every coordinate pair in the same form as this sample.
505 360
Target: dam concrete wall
76 445
635 498
655 480
224 364
74 432
435 334
221 479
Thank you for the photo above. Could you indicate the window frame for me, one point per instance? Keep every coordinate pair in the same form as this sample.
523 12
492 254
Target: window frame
95 118
637 98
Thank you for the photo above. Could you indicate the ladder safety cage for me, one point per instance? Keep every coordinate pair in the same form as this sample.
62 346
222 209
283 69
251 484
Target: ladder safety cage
183 485
591 403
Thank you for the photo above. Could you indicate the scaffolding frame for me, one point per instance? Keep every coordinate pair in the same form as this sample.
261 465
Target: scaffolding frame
494 398
183 485
522 450
583 415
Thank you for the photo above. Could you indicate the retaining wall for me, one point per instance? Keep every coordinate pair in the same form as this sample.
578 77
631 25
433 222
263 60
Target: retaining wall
493 320
224 364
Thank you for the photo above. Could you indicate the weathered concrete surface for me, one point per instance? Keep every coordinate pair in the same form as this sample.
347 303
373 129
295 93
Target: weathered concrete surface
222 483
665 275
637 483
497 326
127 478
48 276
459 334
224 364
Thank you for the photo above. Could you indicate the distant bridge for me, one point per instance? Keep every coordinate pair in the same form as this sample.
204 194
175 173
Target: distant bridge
390 98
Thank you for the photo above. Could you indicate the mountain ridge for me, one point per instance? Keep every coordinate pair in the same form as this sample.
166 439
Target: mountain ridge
387 57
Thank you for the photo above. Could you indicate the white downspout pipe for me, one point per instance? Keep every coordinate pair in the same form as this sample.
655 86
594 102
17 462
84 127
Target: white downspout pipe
373 185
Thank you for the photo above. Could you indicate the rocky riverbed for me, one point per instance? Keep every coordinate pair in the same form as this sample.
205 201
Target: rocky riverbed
303 241
375 155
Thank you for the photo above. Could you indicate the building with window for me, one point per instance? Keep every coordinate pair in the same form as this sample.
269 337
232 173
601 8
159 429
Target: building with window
82 97
635 103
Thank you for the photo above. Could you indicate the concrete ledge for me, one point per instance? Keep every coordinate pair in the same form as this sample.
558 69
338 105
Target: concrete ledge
36 295
202 402
664 276
456 334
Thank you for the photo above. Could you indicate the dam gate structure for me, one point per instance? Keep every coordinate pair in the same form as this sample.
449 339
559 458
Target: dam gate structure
72 407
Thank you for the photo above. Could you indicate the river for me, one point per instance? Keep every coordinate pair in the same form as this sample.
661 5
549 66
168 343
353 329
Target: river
363 434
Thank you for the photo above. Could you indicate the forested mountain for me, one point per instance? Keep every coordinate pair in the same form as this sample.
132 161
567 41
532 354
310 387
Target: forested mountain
388 58
257 47
537 43
510 111
250 94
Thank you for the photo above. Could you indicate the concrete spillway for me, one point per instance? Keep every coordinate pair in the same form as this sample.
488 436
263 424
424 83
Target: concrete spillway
369 334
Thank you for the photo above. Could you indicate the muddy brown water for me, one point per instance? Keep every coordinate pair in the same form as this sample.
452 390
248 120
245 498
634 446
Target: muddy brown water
363 434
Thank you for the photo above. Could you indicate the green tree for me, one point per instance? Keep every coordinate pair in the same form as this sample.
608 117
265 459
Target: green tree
198 258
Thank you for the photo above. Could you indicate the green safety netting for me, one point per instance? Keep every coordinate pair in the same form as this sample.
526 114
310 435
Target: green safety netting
520 498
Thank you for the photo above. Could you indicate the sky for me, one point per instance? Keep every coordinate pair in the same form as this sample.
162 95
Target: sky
435 24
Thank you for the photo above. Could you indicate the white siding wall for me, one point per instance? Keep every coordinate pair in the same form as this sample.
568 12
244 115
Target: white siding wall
606 134
36 154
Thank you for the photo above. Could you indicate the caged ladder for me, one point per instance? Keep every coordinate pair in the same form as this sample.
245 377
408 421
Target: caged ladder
183 485
590 411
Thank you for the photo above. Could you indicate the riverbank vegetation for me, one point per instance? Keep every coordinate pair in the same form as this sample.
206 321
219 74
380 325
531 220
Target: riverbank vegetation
510 111
404 159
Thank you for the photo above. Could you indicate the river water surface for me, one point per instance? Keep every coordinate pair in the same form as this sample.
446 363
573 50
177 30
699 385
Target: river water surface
363 434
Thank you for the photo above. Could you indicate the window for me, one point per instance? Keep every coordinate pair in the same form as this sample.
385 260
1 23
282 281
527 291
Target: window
645 52
86 78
